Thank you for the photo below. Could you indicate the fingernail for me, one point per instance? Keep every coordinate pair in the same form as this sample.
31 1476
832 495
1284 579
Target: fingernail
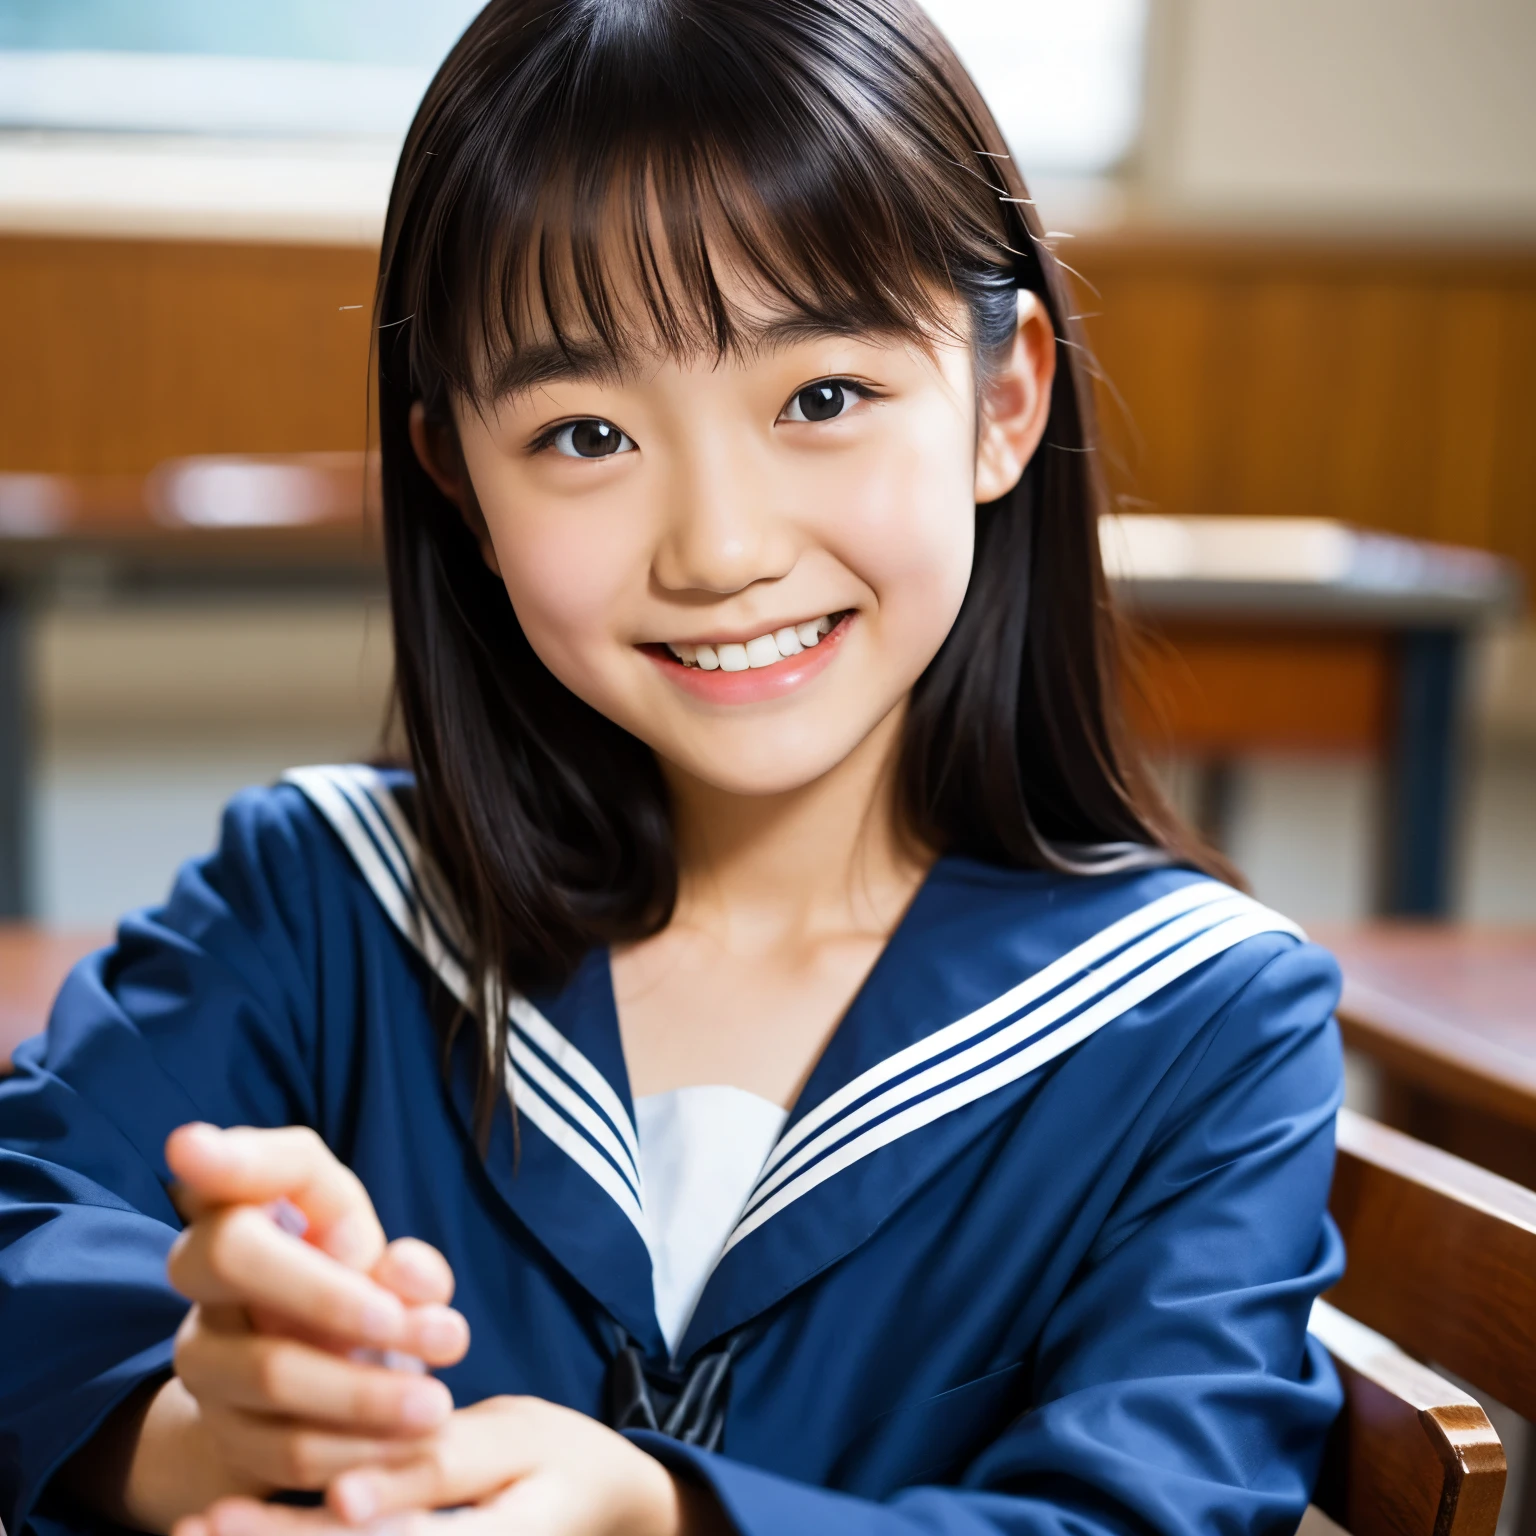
382 1317
440 1329
424 1405
419 1269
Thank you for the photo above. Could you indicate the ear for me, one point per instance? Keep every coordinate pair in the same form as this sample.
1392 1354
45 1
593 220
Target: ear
438 453
1016 403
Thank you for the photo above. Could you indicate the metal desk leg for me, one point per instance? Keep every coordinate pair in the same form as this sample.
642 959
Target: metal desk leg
1215 811
1422 775
15 751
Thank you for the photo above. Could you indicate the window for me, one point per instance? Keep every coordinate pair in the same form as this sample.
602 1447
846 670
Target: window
1062 75
293 68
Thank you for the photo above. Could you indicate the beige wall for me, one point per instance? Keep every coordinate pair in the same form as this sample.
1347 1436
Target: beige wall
150 715
1354 110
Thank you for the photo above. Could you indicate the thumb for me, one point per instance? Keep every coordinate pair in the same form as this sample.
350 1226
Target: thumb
474 1455
244 1165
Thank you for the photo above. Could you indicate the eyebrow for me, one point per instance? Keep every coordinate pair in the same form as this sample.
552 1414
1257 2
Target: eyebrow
547 362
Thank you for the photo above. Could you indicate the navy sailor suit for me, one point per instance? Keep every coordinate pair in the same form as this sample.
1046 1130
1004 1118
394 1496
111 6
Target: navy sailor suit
1034 1253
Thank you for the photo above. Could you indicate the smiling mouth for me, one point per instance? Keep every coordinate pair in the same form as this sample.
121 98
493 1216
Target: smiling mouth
761 651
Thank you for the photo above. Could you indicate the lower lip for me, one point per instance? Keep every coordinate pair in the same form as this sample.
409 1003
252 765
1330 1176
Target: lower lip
756 683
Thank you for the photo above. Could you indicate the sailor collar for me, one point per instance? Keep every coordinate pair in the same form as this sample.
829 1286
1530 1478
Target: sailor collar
966 1004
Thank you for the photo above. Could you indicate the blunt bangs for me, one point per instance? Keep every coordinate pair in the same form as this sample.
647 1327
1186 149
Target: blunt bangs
644 161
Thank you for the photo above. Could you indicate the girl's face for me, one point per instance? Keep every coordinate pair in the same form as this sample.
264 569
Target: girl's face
747 564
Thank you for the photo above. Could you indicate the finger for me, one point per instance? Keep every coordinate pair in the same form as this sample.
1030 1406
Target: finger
249 1166
249 1517
291 1453
221 1319
479 1450
437 1335
189 1204
415 1271
433 1336
238 1257
284 1377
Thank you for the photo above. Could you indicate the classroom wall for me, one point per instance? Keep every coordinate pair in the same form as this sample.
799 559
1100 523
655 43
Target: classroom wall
1389 112
152 712
123 352
1385 382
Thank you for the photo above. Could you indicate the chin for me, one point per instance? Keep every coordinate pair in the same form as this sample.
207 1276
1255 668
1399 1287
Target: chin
761 769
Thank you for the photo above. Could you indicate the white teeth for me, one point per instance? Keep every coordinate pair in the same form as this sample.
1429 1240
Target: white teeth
763 651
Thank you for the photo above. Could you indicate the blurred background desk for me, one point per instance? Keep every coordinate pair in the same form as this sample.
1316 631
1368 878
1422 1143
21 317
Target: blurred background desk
1447 1017
1301 635
206 526
1260 634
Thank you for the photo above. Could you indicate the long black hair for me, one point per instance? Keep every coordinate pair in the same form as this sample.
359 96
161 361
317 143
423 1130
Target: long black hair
574 172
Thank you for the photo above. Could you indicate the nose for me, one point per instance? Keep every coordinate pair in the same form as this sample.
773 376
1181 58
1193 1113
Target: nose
720 533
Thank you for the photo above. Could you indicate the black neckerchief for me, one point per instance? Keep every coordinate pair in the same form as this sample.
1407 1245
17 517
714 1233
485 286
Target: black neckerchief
687 1405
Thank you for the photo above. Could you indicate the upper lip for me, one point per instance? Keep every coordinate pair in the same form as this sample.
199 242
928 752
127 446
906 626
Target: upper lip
741 636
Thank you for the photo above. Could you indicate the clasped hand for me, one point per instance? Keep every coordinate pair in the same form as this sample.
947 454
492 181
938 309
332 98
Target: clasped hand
297 1368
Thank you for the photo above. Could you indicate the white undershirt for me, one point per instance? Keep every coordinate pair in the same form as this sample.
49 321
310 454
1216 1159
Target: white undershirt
701 1150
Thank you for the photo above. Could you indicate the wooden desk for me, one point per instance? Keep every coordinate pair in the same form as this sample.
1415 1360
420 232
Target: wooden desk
33 964
1291 634
1302 635
1449 1017
267 513
198 524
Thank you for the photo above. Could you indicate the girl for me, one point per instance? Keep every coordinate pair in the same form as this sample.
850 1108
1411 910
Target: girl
842 1096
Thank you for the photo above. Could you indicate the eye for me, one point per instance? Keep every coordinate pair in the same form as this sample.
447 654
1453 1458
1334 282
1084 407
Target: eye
590 438
825 400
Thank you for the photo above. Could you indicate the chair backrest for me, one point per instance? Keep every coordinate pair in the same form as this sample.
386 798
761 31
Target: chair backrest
1442 1267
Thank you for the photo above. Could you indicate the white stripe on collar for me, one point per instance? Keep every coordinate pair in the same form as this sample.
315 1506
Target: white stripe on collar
932 1102
997 1044
551 1081
1044 981
575 1145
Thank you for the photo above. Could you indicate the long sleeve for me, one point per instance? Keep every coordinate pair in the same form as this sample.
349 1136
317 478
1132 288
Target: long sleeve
199 1011
1174 1386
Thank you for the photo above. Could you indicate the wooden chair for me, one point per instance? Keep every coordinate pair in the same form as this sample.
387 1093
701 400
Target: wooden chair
1442 1269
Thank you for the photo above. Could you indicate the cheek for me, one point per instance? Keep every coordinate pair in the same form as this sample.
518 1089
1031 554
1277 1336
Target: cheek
905 524
567 584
